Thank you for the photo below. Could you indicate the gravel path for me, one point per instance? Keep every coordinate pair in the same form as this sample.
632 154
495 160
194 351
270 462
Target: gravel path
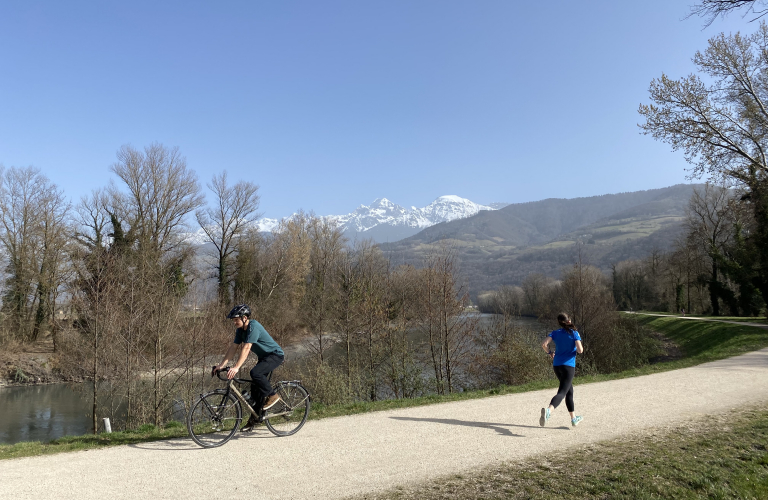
344 456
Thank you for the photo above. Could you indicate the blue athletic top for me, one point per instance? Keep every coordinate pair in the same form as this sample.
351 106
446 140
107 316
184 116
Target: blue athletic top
565 347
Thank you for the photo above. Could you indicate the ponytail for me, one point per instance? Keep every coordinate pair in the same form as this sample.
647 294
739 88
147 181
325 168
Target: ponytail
564 321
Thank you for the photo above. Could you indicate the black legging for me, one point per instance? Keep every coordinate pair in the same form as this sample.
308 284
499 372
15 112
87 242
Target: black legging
564 374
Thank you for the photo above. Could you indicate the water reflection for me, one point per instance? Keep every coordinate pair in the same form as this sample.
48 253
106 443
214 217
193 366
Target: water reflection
47 412
43 413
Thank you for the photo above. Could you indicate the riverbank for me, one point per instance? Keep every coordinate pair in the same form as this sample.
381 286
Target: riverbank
32 364
446 440
698 342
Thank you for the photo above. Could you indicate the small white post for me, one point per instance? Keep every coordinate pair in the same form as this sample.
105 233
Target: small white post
107 426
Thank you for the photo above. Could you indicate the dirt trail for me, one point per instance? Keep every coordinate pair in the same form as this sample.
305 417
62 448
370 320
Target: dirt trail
344 456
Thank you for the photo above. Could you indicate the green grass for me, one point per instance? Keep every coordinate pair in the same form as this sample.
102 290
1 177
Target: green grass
740 319
143 434
703 341
700 341
724 456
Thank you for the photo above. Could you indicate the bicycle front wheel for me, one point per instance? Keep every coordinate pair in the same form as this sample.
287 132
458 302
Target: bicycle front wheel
291 412
214 419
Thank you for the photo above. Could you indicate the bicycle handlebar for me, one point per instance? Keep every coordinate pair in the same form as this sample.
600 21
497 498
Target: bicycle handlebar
224 371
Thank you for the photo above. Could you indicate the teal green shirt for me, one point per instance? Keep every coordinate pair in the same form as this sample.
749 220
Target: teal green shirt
262 344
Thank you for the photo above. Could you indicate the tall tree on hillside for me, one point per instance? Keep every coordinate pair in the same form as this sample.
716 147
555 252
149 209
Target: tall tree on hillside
721 126
223 221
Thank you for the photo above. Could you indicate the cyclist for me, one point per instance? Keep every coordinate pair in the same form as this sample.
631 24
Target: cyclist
251 336
567 345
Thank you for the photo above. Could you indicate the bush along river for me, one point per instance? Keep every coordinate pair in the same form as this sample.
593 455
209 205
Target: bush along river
47 412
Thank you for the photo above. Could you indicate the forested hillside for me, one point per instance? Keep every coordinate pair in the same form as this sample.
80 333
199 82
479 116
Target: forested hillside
504 246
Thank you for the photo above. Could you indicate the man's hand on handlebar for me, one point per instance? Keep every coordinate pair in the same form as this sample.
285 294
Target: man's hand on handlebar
231 372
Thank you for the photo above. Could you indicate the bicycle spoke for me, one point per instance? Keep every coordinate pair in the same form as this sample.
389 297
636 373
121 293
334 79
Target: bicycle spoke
214 419
292 411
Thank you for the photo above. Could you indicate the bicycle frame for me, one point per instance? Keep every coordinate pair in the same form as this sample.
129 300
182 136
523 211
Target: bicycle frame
211 420
233 389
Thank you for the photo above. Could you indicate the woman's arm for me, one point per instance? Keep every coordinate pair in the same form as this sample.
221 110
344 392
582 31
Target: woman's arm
579 347
545 346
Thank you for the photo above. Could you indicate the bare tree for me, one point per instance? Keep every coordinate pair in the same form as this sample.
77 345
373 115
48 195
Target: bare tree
327 244
712 9
33 233
92 220
535 291
372 269
448 330
55 233
719 121
710 220
93 293
271 272
404 373
162 191
233 208
347 315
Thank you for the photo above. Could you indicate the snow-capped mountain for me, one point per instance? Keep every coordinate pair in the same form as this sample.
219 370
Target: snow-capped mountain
383 211
385 221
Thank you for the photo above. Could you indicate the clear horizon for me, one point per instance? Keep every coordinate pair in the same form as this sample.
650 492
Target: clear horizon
329 107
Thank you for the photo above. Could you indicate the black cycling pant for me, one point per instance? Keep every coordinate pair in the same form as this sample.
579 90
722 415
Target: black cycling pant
564 374
260 386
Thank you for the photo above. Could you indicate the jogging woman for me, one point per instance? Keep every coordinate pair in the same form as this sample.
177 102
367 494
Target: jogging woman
567 345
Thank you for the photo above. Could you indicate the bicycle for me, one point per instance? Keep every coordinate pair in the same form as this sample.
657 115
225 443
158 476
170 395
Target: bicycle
215 417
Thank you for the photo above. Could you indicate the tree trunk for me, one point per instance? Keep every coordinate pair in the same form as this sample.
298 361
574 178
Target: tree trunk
713 292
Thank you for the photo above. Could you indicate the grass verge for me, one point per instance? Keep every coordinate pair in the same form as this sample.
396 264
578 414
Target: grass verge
700 342
724 456
91 441
740 319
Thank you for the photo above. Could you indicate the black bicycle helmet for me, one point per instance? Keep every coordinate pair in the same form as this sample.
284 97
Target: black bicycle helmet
239 310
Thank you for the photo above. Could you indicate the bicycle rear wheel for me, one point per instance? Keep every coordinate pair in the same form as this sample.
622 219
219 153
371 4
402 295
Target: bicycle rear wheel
291 412
214 418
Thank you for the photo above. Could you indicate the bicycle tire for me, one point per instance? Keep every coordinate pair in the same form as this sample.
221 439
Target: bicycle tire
214 418
295 401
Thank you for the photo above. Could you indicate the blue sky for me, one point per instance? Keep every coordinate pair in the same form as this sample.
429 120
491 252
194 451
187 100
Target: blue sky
329 105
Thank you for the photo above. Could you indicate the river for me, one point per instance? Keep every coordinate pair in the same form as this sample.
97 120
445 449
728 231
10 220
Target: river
47 412
43 412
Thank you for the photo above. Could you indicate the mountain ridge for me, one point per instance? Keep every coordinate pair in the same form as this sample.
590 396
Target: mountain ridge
503 246
383 220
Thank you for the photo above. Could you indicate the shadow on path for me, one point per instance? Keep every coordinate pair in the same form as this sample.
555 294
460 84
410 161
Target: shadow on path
187 443
169 445
500 428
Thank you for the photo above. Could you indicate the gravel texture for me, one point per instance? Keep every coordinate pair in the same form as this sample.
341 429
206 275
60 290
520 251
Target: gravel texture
346 456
